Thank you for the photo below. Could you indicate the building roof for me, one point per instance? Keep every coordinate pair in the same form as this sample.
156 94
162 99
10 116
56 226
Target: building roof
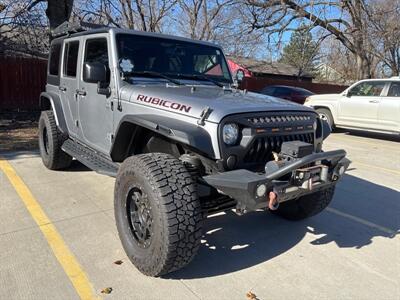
265 67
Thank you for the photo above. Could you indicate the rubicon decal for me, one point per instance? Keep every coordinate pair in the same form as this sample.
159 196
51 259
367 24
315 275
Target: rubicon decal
164 103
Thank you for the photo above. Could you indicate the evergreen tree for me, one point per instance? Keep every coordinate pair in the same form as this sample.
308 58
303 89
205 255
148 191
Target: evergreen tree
301 52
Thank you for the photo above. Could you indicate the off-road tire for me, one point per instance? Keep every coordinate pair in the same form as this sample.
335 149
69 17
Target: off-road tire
175 208
326 114
306 206
53 157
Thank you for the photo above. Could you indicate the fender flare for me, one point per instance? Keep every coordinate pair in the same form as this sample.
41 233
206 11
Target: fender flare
185 133
51 100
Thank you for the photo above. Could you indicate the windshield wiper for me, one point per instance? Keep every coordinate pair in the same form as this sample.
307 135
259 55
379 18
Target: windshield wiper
201 77
155 74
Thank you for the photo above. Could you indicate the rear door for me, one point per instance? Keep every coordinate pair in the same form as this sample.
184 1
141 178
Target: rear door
360 107
389 108
69 82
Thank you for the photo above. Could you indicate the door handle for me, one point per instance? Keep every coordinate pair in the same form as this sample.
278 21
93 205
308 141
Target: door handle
373 101
81 92
62 88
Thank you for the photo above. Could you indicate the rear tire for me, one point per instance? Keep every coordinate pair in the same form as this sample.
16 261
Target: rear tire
325 114
306 206
50 142
157 213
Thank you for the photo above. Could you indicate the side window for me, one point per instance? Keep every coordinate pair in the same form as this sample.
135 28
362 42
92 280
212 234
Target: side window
54 63
268 91
368 88
96 51
394 90
71 58
279 92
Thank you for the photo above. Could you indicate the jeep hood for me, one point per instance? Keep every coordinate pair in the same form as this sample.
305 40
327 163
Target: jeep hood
192 100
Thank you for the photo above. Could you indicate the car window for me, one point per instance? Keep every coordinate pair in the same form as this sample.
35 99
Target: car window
281 92
71 58
96 51
268 91
304 92
394 90
54 63
171 57
368 88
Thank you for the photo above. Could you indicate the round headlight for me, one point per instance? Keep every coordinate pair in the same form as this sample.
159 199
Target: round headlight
230 133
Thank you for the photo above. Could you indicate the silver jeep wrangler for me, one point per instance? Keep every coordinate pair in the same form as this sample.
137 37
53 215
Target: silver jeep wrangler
163 115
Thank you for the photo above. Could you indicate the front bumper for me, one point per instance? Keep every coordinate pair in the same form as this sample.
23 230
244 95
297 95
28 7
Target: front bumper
309 174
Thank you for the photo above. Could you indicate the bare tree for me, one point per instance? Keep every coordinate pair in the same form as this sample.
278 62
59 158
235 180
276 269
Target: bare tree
145 15
23 28
385 33
219 21
203 19
349 27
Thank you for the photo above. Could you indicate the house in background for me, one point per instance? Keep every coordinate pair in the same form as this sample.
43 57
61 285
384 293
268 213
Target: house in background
253 68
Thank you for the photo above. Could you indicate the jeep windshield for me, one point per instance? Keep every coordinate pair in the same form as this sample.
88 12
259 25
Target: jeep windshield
146 56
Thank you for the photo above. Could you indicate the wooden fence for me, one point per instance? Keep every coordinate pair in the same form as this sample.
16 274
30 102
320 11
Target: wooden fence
22 79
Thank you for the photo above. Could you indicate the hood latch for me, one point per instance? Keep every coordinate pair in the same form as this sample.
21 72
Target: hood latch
204 115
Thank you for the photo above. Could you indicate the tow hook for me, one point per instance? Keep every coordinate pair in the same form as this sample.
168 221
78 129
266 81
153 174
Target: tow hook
273 203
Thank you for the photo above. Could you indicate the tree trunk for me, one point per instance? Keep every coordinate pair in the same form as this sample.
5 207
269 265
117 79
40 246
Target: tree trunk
58 11
363 66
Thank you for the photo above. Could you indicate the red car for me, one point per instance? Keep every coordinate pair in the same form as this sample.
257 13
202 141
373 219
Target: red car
292 93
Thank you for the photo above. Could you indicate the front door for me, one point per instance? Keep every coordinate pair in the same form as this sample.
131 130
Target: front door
69 84
359 107
95 111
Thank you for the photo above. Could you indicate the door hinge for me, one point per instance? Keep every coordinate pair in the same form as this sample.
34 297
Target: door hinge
110 104
110 137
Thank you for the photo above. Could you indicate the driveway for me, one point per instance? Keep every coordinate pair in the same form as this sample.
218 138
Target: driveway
58 238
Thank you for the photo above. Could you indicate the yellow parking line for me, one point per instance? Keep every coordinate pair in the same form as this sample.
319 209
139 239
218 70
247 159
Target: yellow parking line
64 256
362 221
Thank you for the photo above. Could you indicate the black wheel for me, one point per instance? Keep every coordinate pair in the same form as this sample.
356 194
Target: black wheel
50 141
306 206
157 212
326 115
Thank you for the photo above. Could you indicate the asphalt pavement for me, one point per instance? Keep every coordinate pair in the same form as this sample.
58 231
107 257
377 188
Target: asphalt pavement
58 238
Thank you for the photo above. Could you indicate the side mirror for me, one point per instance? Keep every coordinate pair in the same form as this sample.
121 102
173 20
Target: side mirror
97 72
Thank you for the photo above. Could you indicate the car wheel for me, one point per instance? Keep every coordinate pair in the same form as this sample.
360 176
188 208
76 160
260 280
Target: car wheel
306 206
326 116
50 142
157 212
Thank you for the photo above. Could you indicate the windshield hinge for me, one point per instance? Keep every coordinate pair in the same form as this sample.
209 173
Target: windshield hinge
204 115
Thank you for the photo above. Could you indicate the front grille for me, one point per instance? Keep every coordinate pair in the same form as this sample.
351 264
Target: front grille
260 151
278 119
263 133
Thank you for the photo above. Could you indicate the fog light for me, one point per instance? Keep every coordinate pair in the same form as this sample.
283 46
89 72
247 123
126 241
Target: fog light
261 190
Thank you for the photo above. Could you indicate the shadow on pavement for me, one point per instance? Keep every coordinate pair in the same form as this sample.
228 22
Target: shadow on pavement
231 243
77 166
371 135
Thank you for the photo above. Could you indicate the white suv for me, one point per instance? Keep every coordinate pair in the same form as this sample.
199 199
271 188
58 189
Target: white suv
371 104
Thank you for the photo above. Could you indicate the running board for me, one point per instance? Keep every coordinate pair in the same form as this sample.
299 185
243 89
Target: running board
90 158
